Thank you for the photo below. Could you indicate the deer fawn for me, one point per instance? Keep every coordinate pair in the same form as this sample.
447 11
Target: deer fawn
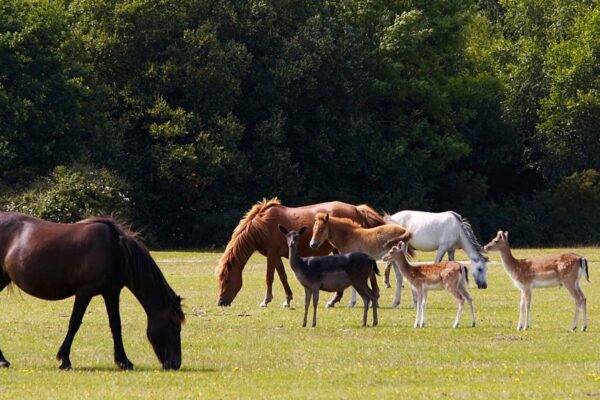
564 269
447 275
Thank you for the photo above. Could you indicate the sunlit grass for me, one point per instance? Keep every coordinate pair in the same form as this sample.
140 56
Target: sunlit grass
250 352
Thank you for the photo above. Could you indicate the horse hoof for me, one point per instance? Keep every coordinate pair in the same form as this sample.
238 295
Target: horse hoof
473 325
351 305
583 328
388 286
395 305
263 304
330 305
4 364
125 365
286 304
65 366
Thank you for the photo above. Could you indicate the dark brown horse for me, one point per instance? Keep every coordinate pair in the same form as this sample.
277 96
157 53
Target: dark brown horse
93 257
258 231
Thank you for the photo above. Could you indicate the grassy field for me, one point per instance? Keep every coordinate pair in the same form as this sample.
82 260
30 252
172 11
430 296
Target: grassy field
250 352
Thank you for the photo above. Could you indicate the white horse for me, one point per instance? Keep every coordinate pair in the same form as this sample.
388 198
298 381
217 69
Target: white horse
444 232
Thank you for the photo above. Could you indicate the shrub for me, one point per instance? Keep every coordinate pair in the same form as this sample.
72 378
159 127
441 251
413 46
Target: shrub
72 194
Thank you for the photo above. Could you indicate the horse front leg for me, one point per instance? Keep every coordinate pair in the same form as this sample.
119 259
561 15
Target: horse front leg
284 281
440 254
114 319
79 307
270 278
4 281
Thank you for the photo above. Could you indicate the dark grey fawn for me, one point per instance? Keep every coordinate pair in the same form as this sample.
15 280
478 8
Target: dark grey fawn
333 274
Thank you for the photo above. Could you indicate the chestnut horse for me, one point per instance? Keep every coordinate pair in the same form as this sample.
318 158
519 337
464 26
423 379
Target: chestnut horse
258 231
96 256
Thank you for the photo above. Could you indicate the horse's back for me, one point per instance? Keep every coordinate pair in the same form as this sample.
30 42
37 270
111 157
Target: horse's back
53 260
429 230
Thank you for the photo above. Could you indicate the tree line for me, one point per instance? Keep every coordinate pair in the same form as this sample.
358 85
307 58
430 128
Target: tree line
178 115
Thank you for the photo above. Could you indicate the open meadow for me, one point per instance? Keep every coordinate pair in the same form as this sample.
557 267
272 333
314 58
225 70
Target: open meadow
245 351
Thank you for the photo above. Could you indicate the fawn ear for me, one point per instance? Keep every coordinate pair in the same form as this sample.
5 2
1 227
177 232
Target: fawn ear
327 217
282 229
302 230
506 235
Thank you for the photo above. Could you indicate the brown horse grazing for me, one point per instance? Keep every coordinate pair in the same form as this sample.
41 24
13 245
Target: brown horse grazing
93 257
258 230
347 236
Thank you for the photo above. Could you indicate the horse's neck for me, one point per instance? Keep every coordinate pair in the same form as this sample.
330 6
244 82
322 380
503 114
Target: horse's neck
150 292
467 246
341 232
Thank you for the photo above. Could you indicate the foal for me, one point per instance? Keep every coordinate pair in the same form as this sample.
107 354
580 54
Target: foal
564 269
333 274
447 275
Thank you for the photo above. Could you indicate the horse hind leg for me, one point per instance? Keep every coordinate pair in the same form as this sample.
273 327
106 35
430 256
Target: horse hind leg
79 307
4 281
284 281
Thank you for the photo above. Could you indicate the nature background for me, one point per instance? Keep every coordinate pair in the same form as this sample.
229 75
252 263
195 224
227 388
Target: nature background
178 115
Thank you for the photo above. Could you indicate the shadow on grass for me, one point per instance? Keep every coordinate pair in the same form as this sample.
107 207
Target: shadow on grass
183 370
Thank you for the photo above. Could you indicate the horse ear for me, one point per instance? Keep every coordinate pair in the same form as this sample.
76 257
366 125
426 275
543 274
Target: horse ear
500 234
506 235
327 217
302 230
282 229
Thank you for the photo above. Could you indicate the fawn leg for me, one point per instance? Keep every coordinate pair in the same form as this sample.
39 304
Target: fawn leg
466 295
315 304
307 295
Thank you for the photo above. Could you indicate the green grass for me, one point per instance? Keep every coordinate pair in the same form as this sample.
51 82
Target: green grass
249 352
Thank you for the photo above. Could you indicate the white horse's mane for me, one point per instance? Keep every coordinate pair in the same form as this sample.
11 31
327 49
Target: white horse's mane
468 230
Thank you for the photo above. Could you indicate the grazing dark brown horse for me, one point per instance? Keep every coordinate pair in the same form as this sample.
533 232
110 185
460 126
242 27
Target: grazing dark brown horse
258 230
96 256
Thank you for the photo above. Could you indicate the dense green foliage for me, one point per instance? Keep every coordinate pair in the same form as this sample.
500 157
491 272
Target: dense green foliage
196 109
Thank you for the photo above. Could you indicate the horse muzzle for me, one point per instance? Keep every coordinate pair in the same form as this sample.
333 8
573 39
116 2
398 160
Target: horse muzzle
313 244
482 285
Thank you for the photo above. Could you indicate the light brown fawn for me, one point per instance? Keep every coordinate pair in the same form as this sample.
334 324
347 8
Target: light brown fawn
448 275
548 271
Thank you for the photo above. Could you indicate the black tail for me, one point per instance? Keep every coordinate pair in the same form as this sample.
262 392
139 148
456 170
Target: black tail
373 279
465 272
584 266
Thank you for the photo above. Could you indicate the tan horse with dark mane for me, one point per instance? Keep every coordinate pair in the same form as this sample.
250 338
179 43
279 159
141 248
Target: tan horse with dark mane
347 236
258 231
